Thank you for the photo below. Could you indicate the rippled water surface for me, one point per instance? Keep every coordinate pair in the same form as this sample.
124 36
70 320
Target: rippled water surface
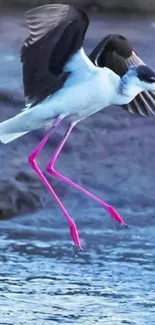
44 281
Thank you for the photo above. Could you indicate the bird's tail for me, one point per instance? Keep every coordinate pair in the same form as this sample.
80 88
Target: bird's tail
6 138
17 126
26 121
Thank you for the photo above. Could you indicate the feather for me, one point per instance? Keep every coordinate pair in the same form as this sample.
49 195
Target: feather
56 34
116 53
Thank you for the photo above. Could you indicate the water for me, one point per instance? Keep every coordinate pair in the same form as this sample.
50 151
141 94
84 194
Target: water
43 280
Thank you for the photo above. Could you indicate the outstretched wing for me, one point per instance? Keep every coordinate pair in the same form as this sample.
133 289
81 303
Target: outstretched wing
56 34
115 53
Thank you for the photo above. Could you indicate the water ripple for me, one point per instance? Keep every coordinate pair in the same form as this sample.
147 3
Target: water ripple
44 280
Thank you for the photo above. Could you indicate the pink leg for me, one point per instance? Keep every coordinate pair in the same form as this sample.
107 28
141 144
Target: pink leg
32 162
50 169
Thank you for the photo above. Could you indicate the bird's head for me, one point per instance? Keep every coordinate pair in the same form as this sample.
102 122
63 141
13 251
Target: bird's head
140 76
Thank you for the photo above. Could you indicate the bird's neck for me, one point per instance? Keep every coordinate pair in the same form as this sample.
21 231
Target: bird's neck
126 92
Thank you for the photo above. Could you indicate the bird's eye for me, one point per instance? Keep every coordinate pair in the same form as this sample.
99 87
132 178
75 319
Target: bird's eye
152 79
148 79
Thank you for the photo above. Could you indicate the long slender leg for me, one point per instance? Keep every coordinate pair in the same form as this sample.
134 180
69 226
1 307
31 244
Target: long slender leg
50 169
32 162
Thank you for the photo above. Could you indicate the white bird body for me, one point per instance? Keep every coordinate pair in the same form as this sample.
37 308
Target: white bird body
88 90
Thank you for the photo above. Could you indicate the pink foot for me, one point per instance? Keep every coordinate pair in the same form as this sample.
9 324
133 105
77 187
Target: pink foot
75 236
115 216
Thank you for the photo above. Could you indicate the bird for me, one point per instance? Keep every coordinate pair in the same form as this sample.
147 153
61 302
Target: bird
60 81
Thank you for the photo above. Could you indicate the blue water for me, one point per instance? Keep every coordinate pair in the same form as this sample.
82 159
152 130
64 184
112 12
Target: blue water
43 280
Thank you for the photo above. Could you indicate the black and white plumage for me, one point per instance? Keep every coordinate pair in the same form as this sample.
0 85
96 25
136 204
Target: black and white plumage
60 80
117 54
56 33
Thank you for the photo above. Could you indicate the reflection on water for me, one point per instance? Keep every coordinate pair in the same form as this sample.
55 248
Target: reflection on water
44 281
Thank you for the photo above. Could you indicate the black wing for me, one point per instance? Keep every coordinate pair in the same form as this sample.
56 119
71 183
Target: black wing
56 33
115 53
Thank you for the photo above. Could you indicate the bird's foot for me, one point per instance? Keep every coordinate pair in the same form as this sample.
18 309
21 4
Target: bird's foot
115 216
75 236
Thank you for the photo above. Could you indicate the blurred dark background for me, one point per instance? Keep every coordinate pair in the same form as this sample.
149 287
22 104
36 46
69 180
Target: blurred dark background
111 5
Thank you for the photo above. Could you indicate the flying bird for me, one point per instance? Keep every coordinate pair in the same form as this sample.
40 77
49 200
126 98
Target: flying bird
61 81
